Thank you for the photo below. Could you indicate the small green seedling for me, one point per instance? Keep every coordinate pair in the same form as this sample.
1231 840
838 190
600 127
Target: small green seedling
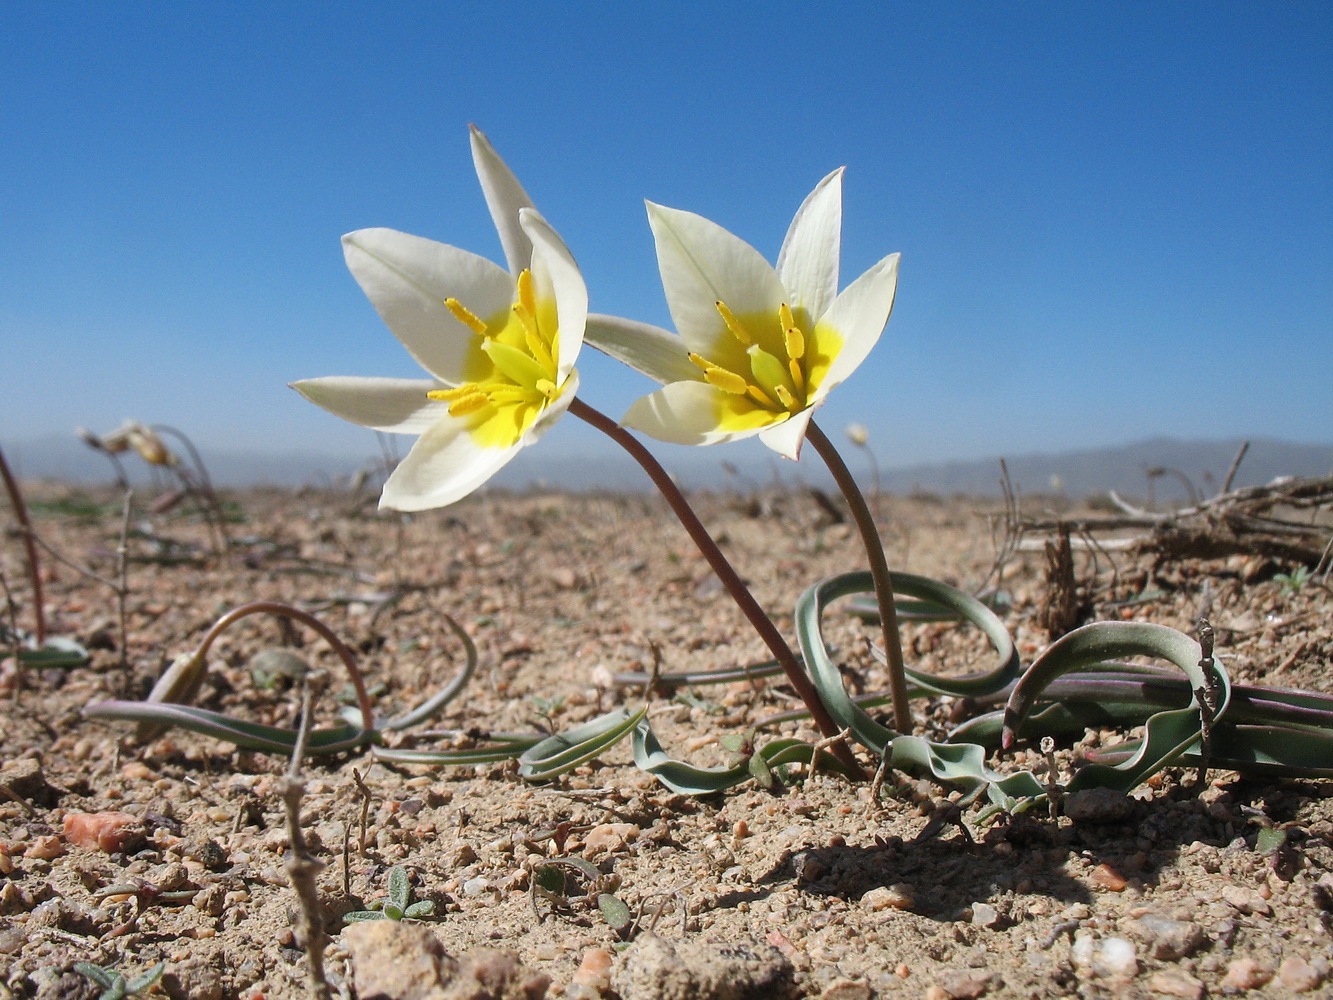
743 751
114 985
397 905
1294 581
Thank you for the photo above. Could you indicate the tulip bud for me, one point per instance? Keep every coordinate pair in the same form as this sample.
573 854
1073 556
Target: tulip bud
858 434
149 446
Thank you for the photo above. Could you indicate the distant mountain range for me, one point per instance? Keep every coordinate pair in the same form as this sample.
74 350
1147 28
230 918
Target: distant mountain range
1157 468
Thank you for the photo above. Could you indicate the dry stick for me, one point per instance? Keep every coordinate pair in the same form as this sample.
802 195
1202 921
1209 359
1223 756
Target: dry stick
34 568
718 562
123 589
879 572
1235 464
302 866
205 485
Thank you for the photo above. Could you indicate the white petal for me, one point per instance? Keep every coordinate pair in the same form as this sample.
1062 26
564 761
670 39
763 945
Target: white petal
504 197
655 352
407 278
859 315
689 413
808 262
445 465
554 267
394 405
702 264
787 437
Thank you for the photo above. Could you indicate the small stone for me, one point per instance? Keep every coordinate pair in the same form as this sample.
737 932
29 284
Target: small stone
25 779
109 832
846 989
608 838
1098 805
1106 878
890 897
1175 983
984 915
1245 974
653 968
1113 957
1246 900
965 984
1297 975
1167 938
594 971
45 848
476 886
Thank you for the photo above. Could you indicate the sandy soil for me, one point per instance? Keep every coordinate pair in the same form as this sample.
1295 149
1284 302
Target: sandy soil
835 895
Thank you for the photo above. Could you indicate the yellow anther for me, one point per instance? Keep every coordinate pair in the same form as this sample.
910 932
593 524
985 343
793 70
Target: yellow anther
465 405
785 397
726 381
760 397
449 395
734 325
546 387
465 316
701 361
794 340
797 376
527 295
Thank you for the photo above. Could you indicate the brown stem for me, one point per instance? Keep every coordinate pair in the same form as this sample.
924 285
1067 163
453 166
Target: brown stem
305 618
34 567
879 572
758 618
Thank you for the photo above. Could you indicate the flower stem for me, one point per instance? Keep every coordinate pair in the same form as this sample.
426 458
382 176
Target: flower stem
758 618
34 567
879 572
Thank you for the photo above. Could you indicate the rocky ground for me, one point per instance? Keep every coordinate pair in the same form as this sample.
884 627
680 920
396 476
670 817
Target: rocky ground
810 889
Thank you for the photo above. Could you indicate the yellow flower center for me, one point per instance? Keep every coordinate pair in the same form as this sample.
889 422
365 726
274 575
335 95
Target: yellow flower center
771 362
515 365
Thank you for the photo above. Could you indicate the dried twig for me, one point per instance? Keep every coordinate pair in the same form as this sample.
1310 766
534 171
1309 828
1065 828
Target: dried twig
302 866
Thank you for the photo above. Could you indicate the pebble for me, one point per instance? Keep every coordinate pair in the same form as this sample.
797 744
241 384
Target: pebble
1298 975
1175 983
103 831
1107 878
1167 938
45 848
1245 974
653 968
608 838
846 989
1246 900
594 971
1113 957
476 886
1098 805
890 897
984 915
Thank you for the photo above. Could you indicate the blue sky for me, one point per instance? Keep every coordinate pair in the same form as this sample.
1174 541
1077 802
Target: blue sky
1116 221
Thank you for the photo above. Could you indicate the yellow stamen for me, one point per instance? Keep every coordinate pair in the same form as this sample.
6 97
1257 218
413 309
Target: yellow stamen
797 376
726 381
794 341
527 295
734 325
760 397
546 387
465 316
449 395
701 361
539 350
785 396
